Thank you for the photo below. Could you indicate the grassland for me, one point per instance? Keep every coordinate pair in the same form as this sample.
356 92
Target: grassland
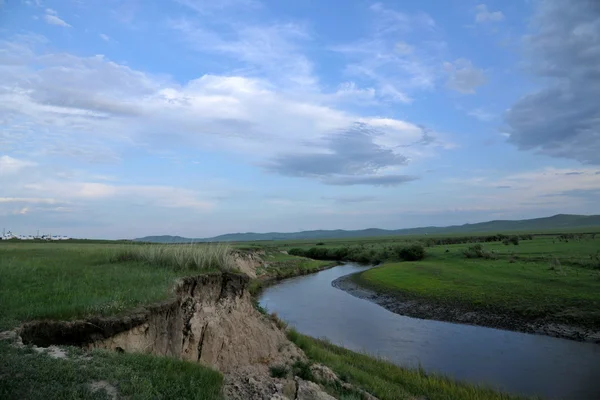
28 374
548 278
74 280
65 281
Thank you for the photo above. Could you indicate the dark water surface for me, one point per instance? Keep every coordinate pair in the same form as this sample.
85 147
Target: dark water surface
513 362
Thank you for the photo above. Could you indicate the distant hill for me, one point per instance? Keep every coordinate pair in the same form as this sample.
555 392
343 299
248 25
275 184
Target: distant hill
559 221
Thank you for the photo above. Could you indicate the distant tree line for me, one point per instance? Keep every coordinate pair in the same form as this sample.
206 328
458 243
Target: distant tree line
476 239
363 254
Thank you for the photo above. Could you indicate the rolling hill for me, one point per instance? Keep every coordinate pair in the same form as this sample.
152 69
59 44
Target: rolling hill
559 221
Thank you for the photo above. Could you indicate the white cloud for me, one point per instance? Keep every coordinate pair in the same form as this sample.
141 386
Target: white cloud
481 114
104 37
210 6
118 107
62 191
10 165
386 62
271 50
483 15
463 76
52 18
33 200
537 189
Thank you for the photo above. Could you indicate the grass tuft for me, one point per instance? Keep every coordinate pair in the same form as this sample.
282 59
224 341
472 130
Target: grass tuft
193 257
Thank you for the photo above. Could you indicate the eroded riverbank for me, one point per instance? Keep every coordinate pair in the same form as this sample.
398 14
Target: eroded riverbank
419 308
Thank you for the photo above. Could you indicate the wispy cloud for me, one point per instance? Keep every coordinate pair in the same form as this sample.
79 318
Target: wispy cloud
386 61
10 165
463 77
272 50
119 108
483 15
104 37
350 199
481 114
52 18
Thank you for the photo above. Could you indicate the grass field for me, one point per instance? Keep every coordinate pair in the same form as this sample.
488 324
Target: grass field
539 278
65 281
73 280
28 374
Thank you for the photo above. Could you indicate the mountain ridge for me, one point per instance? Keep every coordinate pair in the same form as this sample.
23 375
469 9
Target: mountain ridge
558 221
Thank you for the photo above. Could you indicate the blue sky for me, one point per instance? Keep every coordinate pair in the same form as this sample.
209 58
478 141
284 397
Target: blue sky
125 118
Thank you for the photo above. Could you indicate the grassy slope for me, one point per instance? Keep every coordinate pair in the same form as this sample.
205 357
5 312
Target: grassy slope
386 380
526 286
26 374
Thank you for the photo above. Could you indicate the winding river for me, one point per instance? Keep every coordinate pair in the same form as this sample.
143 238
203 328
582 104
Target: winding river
509 361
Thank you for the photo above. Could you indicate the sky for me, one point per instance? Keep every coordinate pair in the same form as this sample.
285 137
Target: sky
127 118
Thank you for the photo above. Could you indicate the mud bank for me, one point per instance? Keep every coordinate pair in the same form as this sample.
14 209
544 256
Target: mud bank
423 309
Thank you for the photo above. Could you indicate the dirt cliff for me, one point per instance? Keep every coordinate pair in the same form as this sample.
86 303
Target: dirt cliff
210 320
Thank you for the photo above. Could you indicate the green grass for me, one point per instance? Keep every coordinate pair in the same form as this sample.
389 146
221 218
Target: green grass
193 257
279 265
66 281
521 281
27 374
386 380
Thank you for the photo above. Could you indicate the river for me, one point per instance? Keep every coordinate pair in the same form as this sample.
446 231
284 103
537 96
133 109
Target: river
513 362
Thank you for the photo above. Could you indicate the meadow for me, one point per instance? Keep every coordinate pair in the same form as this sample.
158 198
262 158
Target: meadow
551 276
65 280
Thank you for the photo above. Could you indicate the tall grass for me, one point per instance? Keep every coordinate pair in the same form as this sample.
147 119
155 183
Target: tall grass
197 257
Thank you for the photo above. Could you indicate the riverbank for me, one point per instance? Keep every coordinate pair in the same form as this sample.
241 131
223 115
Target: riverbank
78 295
412 306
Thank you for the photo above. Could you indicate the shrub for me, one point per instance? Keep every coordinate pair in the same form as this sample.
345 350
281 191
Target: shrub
477 251
413 252
320 244
302 370
514 240
296 252
279 371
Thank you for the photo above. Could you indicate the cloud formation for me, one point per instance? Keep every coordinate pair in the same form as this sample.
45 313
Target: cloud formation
386 62
351 151
10 165
52 18
463 77
118 108
563 118
483 15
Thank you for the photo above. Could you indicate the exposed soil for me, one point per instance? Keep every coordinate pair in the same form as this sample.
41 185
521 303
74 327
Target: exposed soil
459 313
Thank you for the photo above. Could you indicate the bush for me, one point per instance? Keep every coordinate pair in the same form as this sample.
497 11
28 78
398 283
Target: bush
302 370
414 252
514 240
477 251
279 371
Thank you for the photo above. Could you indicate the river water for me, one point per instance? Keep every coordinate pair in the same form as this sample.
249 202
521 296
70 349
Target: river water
509 361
